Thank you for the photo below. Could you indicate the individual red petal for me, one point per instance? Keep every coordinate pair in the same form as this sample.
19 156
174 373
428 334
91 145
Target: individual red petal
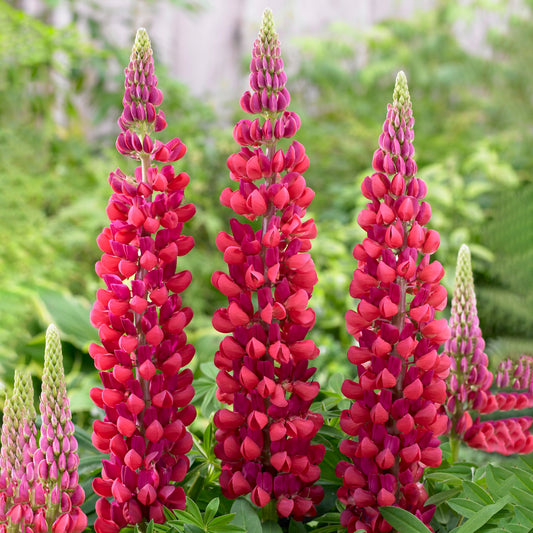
414 390
411 454
431 457
249 449
405 424
239 485
147 495
260 497
284 506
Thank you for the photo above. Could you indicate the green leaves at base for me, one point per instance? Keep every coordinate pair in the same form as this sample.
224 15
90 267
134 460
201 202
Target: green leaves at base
245 517
191 520
403 520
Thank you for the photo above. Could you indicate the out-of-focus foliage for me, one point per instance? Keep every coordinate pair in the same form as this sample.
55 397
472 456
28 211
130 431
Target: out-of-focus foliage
465 152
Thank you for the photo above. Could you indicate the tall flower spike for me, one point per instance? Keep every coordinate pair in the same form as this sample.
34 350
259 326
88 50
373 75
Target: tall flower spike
470 379
18 447
264 441
56 460
140 318
397 411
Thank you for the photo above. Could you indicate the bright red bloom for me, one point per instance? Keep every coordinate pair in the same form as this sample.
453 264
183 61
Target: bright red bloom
140 319
397 411
264 442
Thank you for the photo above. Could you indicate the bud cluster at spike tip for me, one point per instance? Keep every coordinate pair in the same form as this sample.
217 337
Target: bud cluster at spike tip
140 318
470 378
397 410
140 117
264 441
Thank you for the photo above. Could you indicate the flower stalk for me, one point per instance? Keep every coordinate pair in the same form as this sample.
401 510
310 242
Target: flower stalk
140 318
264 441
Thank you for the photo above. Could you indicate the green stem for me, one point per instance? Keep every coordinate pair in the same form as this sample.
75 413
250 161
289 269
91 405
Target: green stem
455 445
269 512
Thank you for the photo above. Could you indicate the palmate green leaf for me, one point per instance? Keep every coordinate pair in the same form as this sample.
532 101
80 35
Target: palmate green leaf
465 507
523 497
297 527
271 527
442 496
403 521
525 477
479 519
523 516
499 480
222 521
211 510
69 314
245 516
476 493
514 528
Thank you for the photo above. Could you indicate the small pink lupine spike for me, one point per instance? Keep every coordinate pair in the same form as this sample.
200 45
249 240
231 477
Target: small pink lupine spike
18 447
140 318
265 441
470 379
397 411
57 458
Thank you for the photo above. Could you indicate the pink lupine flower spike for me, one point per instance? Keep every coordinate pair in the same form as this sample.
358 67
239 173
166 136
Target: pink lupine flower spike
470 380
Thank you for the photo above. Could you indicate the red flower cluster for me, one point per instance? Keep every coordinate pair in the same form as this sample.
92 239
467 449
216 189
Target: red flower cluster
397 410
264 443
140 319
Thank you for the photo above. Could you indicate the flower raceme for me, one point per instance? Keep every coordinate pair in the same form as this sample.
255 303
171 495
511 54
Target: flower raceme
39 490
470 379
264 441
16 460
56 460
397 410
140 318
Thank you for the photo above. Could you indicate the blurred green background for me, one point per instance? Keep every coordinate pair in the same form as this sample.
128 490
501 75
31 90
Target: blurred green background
474 139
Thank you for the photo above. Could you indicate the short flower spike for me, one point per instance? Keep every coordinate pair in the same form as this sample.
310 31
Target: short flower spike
56 460
470 379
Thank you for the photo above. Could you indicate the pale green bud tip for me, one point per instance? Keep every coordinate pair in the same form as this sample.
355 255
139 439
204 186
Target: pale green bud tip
400 96
142 42
53 344
23 389
464 273
267 33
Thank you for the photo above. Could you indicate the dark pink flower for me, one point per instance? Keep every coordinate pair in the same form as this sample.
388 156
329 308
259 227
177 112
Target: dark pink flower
264 441
140 318
397 410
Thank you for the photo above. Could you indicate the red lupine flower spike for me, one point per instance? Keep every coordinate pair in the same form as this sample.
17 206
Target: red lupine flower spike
264 442
140 318
397 411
